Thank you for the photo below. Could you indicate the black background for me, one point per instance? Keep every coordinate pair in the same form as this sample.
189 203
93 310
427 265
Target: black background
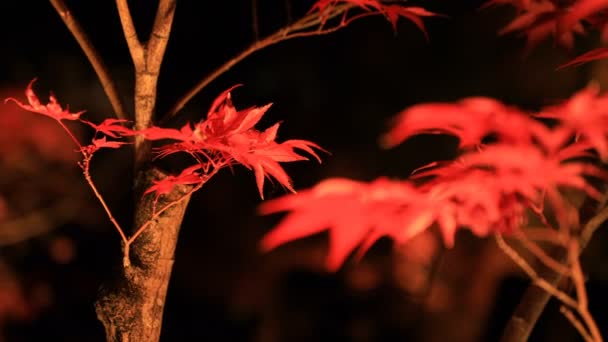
337 90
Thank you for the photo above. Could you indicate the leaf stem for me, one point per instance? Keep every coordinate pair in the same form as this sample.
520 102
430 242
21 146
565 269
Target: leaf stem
89 180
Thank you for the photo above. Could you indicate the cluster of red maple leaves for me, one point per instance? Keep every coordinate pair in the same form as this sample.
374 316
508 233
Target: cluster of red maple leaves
510 160
562 19
491 185
225 138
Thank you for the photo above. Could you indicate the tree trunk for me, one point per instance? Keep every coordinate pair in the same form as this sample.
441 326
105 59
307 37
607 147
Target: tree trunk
131 308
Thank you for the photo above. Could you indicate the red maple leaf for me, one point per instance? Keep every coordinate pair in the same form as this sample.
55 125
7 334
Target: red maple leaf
470 120
542 18
99 143
580 10
188 176
586 115
52 109
412 13
593 55
391 11
351 210
487 189
228 135
323 5
112 127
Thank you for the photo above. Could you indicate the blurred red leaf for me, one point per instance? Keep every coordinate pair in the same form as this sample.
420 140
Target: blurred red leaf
348 208
593 55
190 175
52 109
391 11
487 189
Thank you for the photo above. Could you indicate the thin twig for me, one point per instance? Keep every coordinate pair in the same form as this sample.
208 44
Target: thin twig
592 225
204 180
541 255
533 275
576 323
92 55
534 300
160 212
87 176
581 292
142 228
544 234
577 274
286 33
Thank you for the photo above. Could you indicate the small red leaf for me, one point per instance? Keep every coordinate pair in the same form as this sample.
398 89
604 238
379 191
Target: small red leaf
593 55
52 109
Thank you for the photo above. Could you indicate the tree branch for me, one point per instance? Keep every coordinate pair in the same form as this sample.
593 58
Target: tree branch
535 299
286 33
147 60
157 43
131 309
92 55
135 47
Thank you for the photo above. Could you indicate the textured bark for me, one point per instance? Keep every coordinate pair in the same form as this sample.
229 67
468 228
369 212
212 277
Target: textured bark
131 308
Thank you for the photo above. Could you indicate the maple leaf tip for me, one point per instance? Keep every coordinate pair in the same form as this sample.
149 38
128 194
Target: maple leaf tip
29 85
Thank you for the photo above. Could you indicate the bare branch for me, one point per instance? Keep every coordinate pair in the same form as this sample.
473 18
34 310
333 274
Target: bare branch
581 291
92 55
286 33
576 323
135 47
106 208
157 43
533 275
542 255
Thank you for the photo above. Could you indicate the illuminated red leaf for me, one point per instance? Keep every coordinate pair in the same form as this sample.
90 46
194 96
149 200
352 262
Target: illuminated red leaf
190 175
579 10
52 109
414 14
100 143
349 209
486 189
228 135
593 55
540 19
586 115
159 133
392 11
470 120
112 127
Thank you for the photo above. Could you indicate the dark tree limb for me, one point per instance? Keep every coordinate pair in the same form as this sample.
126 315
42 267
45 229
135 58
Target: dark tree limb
131 308
535 299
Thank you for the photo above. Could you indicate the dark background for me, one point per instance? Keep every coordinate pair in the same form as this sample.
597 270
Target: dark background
337 90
